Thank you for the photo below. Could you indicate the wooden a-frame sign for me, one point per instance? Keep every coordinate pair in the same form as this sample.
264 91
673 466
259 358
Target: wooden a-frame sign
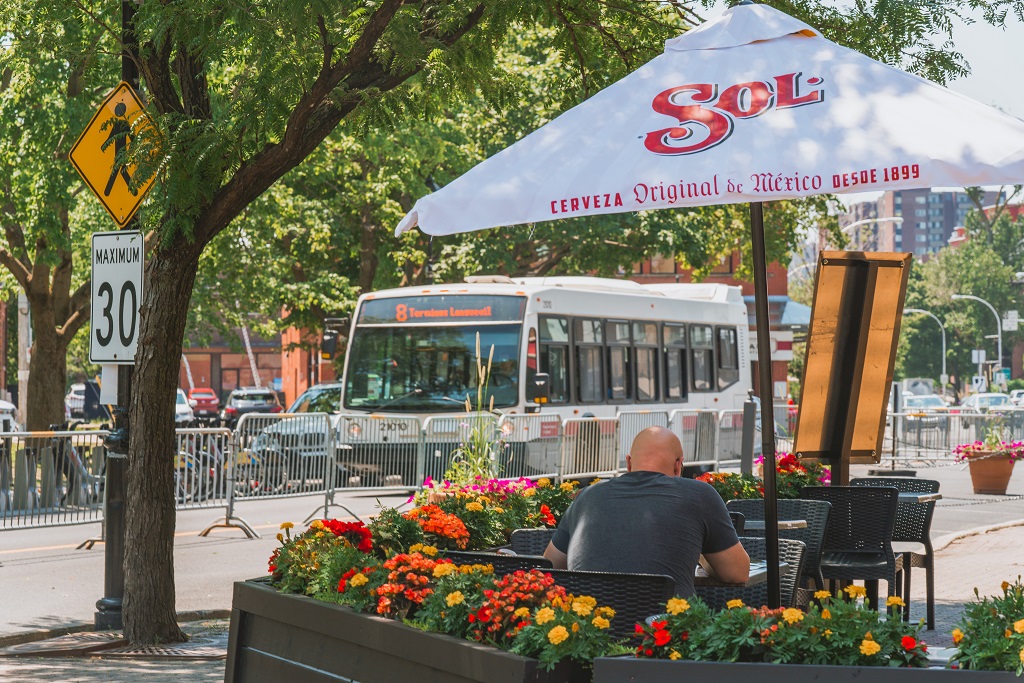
851 353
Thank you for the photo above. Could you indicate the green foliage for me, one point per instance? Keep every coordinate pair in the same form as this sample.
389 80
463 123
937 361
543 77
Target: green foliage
990 635
393 533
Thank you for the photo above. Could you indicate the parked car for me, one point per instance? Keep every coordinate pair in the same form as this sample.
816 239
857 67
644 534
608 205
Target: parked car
322 398
1017 397
182 410
75 400
251 400
204 402
924 412
979 404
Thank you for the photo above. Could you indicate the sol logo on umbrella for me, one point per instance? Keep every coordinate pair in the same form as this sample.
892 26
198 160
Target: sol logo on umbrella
740 101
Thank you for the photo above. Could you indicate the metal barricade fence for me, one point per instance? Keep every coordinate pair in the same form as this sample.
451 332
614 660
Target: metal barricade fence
201 461
282 454
444 437
377 451
631 423
533 446
932 437
730 437
51 478
590 447
698 432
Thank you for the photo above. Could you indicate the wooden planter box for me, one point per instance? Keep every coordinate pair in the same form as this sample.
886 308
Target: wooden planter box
629 669
277 637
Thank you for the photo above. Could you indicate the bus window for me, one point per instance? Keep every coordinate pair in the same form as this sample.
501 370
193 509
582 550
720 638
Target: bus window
554 357
702 352
728 358
645 342
619 384
589 361
676 384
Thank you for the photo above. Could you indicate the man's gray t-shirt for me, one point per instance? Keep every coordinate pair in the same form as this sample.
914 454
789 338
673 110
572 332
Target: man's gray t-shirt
645 522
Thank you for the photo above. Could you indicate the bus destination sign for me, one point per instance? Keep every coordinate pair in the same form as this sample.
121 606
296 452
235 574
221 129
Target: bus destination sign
454 308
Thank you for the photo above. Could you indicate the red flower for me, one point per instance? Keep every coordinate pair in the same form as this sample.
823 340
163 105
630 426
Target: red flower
662 637
659 625
685 635
639 629
908 642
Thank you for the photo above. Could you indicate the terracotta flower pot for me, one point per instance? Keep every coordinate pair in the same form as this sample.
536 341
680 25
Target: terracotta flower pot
990 474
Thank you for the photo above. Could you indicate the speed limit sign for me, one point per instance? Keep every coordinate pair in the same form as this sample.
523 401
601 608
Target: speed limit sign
116 296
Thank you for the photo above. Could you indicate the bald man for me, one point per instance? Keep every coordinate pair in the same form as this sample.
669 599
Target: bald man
650 521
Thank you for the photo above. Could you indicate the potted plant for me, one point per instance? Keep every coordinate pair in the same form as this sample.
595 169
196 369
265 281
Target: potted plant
990 461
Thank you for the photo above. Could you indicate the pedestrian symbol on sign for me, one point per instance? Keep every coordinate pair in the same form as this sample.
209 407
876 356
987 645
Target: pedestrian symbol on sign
120 131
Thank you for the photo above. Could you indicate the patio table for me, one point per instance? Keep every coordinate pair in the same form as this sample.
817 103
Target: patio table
910 497
784 524
758 575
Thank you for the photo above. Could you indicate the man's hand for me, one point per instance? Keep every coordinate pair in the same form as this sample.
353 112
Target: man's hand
560 560
732 565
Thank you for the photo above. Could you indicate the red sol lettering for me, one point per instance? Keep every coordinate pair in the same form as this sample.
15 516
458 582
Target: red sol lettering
699 106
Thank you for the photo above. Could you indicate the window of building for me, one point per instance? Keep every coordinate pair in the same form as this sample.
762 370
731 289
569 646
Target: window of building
920 199
920 213
663 264
920 237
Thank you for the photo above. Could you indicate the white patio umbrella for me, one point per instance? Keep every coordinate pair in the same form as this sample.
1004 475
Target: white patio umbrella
752 106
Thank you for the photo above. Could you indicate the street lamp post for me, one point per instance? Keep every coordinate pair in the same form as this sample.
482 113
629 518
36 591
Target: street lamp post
944 378
864 221
999 325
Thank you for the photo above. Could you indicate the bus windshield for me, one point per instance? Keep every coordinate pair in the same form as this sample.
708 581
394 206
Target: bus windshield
430 368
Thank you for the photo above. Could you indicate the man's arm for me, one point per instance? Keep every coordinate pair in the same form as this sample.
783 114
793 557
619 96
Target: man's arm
559 560
731 565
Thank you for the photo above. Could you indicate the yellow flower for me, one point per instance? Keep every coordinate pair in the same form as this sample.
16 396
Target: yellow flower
825 614
415 547
576 627
894 601
1007 633
822 595
315 524
586 600
733 604
358 580
529 493
1021 655
444 569
543 483
595 480
544 615
677 606
601 622
484 500
605 612
567 486
499 510
522 612
827 633
280 537
1005 585
557 634
581 608
429 550
958 635
474 506
1018 626
869 647
454 598
856 591
289 525
673 655
792 615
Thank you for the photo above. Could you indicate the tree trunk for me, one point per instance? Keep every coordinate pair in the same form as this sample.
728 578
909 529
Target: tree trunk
47 369
149 603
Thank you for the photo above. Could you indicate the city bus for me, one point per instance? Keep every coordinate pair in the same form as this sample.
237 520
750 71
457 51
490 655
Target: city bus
557 347
573 346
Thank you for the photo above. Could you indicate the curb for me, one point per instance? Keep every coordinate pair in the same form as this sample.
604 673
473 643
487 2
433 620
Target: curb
945 541
83 626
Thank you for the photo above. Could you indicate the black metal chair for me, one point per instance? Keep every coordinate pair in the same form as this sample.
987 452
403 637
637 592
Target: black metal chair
531 541
634 597
503 564
814 512
791 552
738 521
913 525
858 541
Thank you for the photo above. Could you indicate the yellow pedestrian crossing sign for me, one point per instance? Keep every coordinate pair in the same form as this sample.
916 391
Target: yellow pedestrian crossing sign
99 151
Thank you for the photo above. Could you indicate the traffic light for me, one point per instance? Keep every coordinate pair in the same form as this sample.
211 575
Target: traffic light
329 344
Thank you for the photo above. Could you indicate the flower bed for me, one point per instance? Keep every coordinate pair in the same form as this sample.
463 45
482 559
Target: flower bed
791 475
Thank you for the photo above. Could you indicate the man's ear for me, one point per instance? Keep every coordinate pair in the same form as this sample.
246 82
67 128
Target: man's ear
629 463
678 467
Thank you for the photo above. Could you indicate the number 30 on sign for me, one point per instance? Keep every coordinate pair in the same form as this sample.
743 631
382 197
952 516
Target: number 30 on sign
117 261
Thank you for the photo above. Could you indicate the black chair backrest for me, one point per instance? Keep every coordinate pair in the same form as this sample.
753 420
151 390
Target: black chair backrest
791 552
913 520
738 521
814 512
503 564
634 597
531 541
861 519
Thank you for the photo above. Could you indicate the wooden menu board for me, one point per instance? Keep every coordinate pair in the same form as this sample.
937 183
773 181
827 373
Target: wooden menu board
851 352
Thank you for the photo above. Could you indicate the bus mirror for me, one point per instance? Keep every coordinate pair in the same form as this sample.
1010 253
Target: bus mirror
328 345
541 386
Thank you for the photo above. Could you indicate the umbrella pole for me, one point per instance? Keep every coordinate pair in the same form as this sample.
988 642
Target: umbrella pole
765 385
